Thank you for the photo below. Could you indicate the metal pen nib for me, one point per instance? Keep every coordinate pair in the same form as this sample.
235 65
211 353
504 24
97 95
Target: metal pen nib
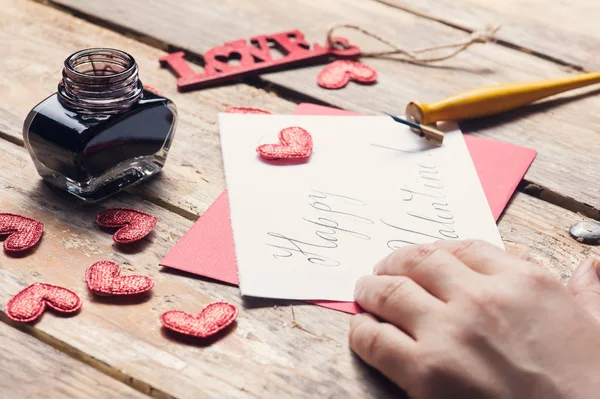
422 130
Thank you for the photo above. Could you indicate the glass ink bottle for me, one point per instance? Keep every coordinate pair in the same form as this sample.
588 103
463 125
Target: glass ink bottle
102 131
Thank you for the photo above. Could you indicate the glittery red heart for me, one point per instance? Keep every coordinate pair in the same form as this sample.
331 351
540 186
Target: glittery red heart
135 225
152 90
24 232
295 143
29 304
246 110
104 278
337 74
213 318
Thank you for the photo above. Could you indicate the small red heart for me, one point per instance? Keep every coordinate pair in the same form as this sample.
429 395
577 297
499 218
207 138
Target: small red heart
213 318
29 304
105 278
152 90
295 143
135 225
24 232
246 110
337 74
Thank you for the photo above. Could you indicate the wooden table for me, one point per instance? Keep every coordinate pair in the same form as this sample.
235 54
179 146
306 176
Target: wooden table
278 349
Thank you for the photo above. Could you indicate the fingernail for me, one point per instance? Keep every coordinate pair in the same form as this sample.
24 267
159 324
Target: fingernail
376 268
358 287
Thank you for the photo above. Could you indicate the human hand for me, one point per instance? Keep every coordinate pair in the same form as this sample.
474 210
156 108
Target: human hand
463 319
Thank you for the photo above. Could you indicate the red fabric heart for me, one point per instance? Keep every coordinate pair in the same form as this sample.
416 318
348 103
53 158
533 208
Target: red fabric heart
104 278
24 232
337 74
29 304
213 318
135 225
246 110
295 143
152 90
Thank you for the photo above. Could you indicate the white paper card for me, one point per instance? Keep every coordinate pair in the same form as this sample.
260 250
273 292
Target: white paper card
310 230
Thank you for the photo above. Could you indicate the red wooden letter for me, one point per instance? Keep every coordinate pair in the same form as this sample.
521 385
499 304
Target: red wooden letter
177 64
254 57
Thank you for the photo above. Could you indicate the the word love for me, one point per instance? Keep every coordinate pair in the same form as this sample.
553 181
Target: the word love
239 58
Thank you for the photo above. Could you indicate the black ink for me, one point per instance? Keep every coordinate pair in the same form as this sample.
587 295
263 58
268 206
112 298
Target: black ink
429 166
411 231
393 247
329 228
450 233
439 186
335 226
443 218
324 195
297 248
321 206
417 215
436 204
423 172
391 148
412 194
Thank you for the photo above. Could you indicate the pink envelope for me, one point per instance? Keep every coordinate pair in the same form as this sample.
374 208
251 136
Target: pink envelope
208 249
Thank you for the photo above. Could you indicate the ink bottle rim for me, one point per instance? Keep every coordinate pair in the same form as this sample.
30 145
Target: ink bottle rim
99 81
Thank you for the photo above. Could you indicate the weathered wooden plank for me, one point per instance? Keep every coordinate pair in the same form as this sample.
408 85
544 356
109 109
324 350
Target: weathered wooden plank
266 355
565 31
35 41
562 130
31 369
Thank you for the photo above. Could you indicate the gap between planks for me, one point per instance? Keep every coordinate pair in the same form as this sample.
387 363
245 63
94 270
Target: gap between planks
282 92
85 358
526 187
288 94
504 43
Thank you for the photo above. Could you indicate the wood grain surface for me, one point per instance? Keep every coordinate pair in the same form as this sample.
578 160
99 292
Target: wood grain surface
264 355
31 369
39 39
565 130
566 31
271 351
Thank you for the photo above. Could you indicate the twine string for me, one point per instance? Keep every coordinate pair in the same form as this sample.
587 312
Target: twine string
417 55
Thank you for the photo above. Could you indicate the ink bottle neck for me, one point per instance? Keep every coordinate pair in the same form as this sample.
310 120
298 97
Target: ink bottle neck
99 81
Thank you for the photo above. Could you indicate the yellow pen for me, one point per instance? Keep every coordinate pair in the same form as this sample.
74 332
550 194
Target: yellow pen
490 100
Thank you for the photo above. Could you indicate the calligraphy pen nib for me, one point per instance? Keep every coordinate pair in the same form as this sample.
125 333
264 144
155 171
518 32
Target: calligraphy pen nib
404 121
422 130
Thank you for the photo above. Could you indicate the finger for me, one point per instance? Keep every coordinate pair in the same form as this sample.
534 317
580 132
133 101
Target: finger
397 300
383 347
584 284
481 256
434 269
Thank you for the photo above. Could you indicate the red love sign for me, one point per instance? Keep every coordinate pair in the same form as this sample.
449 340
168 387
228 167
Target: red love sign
30 303
295 143
24 232
213 318
135 225
253 57
104 278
